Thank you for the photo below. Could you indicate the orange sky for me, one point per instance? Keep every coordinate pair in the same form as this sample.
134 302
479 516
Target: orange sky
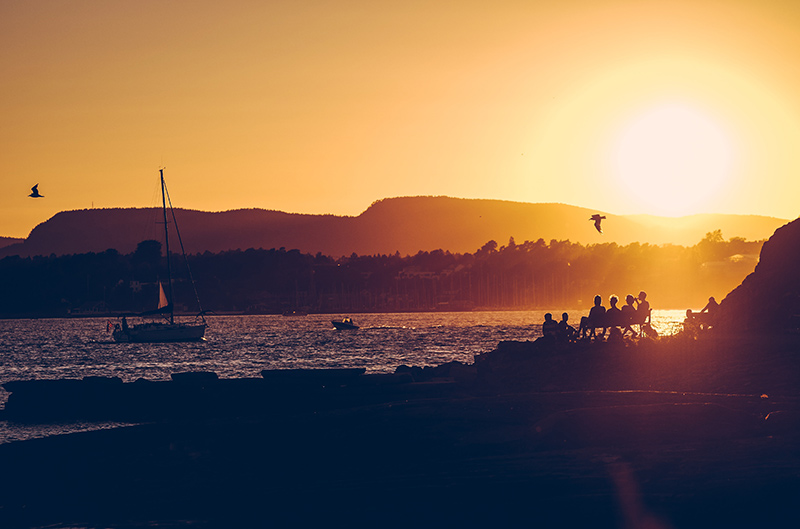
324 107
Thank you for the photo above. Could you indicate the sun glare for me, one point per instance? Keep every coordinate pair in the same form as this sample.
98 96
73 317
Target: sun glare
672 160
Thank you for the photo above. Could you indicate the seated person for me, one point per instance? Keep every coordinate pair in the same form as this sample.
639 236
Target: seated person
628 316
643 316
642 309
613 314
550 326
706 316
566 332
595 319
690 323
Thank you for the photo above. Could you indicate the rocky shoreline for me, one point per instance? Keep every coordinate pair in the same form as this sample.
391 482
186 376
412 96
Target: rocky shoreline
674 433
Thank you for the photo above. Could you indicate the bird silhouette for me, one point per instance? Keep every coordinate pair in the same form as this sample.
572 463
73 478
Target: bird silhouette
597 218
35 193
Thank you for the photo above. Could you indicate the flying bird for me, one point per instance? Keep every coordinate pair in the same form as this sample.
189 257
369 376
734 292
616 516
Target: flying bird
597 218
35 193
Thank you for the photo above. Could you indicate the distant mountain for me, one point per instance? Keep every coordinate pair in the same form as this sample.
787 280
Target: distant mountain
7 241
406 225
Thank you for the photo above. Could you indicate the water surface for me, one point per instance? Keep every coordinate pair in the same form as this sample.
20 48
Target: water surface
243 346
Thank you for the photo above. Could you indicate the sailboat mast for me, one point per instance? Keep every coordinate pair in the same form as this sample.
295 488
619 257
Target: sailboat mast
166 245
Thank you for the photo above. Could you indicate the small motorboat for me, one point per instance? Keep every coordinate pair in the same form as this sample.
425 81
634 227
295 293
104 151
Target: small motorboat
345 324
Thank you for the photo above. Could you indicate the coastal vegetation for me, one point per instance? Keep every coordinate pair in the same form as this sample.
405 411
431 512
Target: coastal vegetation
513 276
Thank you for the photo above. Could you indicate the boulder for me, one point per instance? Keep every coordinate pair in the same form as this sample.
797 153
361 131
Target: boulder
769 298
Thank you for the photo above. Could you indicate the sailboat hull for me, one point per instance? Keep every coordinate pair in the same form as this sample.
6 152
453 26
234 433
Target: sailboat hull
161 332
165 331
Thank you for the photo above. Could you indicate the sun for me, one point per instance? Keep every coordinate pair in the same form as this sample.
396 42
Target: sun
672 159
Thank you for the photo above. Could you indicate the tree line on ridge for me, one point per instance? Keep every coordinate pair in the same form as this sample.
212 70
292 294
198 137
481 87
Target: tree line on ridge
532 275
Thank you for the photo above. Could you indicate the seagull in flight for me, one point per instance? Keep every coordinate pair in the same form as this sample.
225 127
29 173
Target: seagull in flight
597 218
35 193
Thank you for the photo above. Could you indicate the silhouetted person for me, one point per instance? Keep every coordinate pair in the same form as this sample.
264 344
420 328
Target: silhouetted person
566 332
705 318
642 308
690 323
711 307
35 192
628 316
597 218
595 319
708 314
643 316
125 325
550 326
613 314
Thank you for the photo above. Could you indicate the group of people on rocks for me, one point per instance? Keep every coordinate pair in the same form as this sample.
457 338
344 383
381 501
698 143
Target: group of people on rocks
618 322
703 320
559 330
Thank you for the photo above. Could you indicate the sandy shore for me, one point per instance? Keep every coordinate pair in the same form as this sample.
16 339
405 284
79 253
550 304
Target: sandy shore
669 434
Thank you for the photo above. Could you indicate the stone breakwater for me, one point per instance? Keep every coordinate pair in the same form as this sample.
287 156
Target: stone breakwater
720 367
203 394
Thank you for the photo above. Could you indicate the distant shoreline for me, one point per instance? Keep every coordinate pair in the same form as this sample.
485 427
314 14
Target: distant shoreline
99 315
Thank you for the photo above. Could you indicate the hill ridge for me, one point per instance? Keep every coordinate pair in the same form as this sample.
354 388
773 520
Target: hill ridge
396 224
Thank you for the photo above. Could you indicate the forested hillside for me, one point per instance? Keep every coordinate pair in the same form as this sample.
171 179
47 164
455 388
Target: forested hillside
406 225
7 241
528 275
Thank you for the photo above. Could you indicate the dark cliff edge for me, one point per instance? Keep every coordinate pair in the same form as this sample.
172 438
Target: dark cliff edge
768 300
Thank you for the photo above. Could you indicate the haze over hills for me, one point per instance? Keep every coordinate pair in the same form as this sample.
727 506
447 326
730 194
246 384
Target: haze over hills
6 241
406 225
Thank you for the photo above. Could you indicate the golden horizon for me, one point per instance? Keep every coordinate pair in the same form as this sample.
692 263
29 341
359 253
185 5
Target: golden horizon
667 107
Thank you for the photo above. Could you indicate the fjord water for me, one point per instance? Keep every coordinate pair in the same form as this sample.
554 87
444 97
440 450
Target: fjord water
243 346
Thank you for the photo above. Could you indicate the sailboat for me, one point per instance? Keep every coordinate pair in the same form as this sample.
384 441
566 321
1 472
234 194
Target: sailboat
167 330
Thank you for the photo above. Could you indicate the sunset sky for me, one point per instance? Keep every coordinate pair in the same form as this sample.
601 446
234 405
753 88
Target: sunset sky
662 107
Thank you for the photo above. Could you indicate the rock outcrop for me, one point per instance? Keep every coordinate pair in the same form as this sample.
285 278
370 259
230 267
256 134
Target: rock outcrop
769 298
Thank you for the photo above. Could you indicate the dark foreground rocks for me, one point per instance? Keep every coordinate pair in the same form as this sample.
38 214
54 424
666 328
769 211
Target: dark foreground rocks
768 298
668 434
